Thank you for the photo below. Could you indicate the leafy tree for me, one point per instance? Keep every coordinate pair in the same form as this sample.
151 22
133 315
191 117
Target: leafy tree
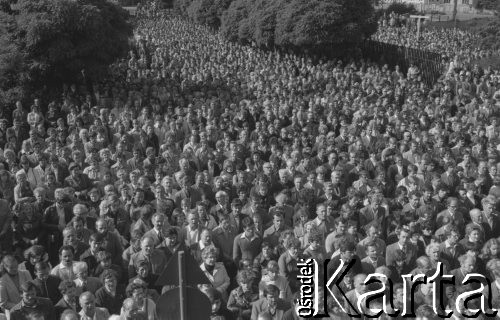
488 4
181 6
208 12
300 23
48 42
234 21
401 8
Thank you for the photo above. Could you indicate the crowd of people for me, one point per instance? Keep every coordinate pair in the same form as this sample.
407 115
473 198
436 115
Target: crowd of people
463 46
249 161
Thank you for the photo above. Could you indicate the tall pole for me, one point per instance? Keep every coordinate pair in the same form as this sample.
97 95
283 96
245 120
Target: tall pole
181 286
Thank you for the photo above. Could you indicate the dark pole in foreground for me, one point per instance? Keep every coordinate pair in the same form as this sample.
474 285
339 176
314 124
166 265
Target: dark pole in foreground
181 286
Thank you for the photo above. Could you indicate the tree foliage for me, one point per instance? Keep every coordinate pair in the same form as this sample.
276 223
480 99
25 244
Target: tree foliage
401 8
490 33
488 4
207 12
48 42
299 23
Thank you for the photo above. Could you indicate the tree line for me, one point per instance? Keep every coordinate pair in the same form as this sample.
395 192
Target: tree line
314 24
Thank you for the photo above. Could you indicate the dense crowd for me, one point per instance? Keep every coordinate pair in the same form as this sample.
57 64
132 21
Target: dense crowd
249 161
455 45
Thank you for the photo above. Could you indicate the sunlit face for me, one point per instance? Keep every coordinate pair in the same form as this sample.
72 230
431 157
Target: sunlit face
210 260
474 236
66 257
88 304
147 246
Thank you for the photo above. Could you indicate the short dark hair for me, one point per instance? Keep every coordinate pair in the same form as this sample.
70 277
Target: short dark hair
41 265
65 285
247 222
347 246
271 289
96 237
66 248
171 232
27 286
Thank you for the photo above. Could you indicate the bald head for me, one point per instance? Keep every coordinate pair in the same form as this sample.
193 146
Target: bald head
476 215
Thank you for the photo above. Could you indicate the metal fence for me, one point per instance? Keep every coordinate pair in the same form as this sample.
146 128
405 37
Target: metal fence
429 63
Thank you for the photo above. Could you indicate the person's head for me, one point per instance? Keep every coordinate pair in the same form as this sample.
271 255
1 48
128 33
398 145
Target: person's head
340 225
467 263
278 220
315 240
81 270
9 264
248 227
42 270
452 204
491 248
245 279
414 198
96 241
432 251
272 270
69 235
452 234
103 257
142 269
347 250
373 232
271 293
372 250
129 309
108 278
34 254
473 233
66 254
424 264
87 303
101 226
292 245
137 290
68 289
193 220
158 221
359 283
147 245
80 210
39 194
28 292
69 314
476 216
321 211
403 236
215 298
209 255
